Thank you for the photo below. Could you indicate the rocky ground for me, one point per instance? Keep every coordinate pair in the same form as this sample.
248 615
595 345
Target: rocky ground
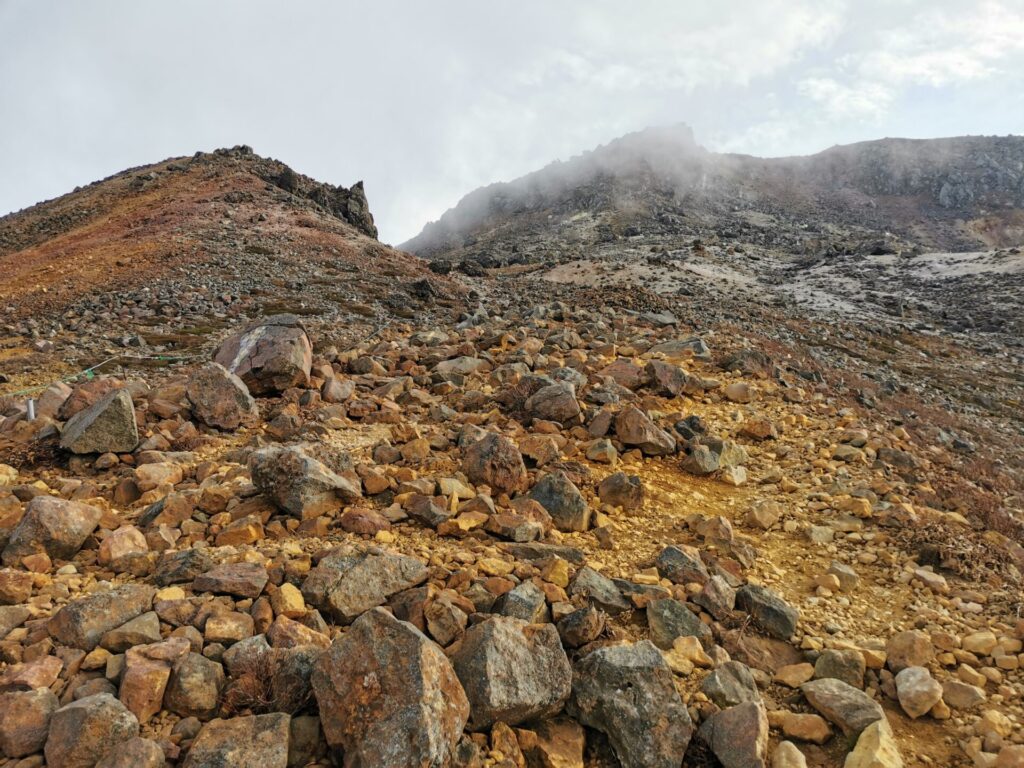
656 506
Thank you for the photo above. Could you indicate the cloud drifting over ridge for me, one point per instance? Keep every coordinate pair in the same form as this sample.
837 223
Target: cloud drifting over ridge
428 101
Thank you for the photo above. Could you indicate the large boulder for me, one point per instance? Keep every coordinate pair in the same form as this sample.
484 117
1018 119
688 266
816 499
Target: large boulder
562 499
635 428
107 426
25 720
82 732
195 687
495 461
299 483
242 742
738 735
220 399
52 525
555 402
627 692
269 356
349 584
769 611
82 622
512 671
389 696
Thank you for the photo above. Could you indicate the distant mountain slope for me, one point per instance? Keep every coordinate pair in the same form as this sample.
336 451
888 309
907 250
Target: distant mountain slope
221 220
952 194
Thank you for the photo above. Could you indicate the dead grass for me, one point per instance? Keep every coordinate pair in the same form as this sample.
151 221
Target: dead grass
266 683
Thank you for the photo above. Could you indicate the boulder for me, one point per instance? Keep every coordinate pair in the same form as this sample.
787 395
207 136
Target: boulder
389 696
220 399
52 525
627 692
269 356
107 426
770 612
242 742
349 584
622 490
25 720
738 735
917 691
135 753
84 731
195 686
512 671
876 748
599 591
555 402
298 483
146 672
681 565
912 648
669 619
842 704
562 499
635 428
239 579
730 685
83 622
495 461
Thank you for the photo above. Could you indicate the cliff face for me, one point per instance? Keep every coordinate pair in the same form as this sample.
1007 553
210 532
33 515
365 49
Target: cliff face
959 193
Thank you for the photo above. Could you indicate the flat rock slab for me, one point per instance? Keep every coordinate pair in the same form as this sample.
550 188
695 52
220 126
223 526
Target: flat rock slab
240 579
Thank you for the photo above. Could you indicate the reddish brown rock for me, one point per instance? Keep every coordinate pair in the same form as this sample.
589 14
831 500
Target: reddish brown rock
147 670
389 696
495 461
84 731
53 526
220 399
25 720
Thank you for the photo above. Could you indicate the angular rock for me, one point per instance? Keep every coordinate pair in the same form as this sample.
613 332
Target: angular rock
389 696
84 731
269 356
917 691
83 622
220 399
241 579
700 460
512 671
242 742
599 591
634 427
738 735
912 648
842 704
108 426
730 685
135 753
495 461
146 672
582 626
298 483
25 720
876 748
562 499
52 525
195 687
627 693
555 402
681 565
348 585
669 619
846 665
622 490
769 611
139 631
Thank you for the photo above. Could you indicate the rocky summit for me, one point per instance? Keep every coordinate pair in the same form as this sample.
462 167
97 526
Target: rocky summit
651 459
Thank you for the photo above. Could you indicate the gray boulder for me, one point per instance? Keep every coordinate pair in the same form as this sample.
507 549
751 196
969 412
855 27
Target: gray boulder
107 426
627 692
298 483
349 584
512 671
562 499
269 356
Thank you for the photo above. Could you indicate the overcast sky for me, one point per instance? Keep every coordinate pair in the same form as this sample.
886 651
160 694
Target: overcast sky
426 101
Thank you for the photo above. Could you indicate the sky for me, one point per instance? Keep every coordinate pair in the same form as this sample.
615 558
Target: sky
426 101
